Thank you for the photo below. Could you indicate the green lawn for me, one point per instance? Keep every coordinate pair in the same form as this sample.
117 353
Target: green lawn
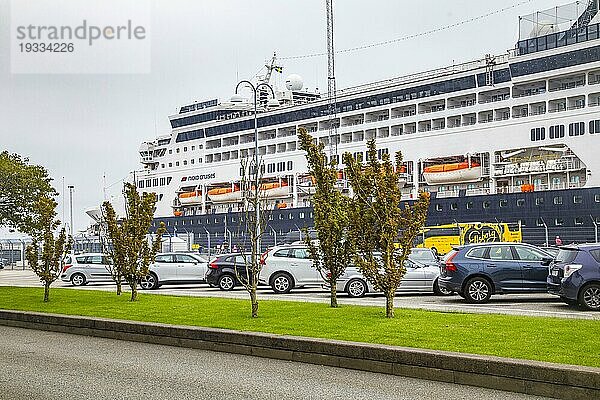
546 339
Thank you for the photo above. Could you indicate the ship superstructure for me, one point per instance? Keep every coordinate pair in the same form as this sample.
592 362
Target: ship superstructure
512 137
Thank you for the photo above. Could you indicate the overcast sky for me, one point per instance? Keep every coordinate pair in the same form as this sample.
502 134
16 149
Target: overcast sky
82 127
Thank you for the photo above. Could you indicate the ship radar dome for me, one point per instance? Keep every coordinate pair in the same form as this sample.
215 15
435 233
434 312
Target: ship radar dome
294 82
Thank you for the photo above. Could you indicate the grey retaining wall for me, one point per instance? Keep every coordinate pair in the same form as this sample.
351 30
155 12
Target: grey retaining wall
531 377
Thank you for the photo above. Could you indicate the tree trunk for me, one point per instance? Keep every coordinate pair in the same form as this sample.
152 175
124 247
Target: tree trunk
333 294
133 291
119 288
254 301
389 304
46 292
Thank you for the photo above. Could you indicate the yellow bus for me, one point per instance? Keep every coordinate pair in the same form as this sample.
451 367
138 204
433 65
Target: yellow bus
442 238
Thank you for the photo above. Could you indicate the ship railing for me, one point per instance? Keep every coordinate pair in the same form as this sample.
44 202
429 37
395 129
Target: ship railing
567 86
594 104
447 193
477 192
463 67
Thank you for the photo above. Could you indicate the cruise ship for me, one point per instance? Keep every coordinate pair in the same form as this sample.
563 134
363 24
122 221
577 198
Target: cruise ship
513 137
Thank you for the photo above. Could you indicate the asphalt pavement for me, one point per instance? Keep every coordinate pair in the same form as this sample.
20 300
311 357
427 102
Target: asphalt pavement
541 304
47 365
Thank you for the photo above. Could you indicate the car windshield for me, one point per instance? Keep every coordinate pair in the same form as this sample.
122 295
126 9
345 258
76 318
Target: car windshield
422 255
566 255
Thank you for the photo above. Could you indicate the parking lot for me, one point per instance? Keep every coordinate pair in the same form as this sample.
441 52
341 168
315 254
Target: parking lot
541 305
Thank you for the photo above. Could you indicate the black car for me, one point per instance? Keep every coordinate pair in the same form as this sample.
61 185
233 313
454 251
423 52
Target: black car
575 276
477 271
222 270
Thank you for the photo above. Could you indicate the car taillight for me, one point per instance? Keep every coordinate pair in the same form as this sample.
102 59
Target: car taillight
450 266
570 268
213 265
66 267
263 258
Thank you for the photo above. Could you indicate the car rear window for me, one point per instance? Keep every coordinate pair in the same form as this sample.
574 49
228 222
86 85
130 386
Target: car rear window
596 255
449 254
566 255
423 255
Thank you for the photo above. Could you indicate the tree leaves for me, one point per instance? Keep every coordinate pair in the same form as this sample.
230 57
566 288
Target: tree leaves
21 186
131 251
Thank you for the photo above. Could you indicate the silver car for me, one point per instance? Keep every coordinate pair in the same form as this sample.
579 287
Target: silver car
419 278
175 268
82 269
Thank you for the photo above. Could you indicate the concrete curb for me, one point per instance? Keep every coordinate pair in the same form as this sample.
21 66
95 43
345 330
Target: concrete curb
530 377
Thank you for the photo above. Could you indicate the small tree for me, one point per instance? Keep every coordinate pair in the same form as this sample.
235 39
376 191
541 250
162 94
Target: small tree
333 253
108 213
47 253
253 199
132 253
378 222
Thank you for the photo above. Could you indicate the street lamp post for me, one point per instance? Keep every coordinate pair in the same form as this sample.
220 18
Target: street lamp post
237 98
71 187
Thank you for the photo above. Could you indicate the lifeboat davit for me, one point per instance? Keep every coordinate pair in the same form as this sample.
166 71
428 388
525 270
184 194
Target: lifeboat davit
225 195
308 185
275 189
451 173
189 198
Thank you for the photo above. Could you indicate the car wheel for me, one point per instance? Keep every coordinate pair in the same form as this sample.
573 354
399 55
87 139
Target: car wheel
589 297
440 291
282 283
78 279
226 282
356 288
150 281
478 290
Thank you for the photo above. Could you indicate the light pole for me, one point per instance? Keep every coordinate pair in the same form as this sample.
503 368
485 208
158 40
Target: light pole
236 99
71 187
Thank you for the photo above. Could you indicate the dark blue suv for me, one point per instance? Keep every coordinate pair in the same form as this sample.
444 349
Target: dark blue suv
575 276
477 271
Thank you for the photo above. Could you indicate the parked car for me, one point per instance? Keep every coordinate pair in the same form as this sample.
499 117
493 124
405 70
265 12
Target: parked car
175 268
419 277
477 271
424 256
84 268
287 267
4 262
222 271
575 276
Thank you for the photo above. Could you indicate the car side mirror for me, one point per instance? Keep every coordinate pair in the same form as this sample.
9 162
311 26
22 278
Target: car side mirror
546 261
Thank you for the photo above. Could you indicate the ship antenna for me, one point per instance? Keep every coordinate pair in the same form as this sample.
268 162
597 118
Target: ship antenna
331 90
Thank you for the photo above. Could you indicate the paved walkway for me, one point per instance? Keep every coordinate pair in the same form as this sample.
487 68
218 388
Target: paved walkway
47 365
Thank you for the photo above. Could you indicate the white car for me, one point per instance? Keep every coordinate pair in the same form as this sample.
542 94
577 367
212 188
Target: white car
82 269
419 277
175 268
287 267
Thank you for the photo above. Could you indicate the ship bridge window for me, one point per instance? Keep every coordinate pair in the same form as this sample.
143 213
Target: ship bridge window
576 129
557 131
538 134
595 126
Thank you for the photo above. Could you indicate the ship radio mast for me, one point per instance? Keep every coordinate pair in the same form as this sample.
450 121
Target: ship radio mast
331 90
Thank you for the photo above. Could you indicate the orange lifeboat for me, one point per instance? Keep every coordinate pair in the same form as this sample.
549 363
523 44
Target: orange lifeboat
281 205
190 197
177 213
225 194
452 173
275 189
527 188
